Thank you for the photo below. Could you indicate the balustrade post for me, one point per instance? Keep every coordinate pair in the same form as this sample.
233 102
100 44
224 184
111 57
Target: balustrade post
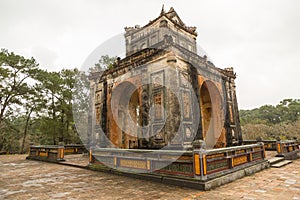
91 156
60 152
264 150
199 160
279 147
202 153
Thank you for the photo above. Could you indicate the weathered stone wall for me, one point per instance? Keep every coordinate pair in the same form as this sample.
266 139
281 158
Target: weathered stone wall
166 95
160 108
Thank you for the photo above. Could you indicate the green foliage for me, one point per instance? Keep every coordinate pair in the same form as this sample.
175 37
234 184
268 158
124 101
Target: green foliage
15 74
104 63
58 95
35 105
287 111
270 122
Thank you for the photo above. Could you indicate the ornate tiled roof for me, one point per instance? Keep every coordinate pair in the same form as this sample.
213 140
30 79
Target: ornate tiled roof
173 17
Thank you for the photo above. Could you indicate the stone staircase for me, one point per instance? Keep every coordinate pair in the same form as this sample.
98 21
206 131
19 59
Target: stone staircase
278 162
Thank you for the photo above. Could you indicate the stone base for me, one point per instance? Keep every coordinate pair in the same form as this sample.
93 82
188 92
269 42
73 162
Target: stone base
44 159
293 155
236 175
185 181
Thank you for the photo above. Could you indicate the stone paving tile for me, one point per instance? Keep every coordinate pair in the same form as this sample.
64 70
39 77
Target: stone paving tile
24 179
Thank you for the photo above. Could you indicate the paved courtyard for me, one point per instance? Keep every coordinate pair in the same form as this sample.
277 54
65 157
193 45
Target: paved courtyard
25 179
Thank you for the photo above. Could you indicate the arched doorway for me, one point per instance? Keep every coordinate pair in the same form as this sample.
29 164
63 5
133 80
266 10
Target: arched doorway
212 112
126 113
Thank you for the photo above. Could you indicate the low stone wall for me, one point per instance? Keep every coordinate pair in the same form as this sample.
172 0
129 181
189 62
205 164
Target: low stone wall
217 162
270 145
288 149
145 161
199 168
50 153
74 149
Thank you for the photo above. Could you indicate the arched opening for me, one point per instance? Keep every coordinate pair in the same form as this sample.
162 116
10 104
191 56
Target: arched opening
211 111
126 112
206 109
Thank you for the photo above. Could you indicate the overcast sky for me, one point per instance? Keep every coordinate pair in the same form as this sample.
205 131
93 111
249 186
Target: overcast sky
259 38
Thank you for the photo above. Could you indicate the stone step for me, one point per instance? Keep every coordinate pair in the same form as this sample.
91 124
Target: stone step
282 163
275 160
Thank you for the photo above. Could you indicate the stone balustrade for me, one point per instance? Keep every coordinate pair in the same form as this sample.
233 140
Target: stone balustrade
216 162
50 153
288 149
200 164
74 149
270 145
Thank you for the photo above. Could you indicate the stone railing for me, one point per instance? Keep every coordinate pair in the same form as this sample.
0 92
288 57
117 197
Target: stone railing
212 163
50 153
145 161
74 149
199 164
270 145
288 148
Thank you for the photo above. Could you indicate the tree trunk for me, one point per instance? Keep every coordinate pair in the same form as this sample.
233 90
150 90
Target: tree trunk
61 138
53 118
25 131
67 131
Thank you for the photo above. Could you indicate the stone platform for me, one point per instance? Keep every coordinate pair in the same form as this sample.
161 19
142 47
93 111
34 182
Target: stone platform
189 182
202 169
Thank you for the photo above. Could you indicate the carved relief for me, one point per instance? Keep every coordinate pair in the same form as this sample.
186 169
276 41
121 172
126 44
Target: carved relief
139 164
158 107
99 96
184 79
240 160
98 113
157 79
186 101
188 132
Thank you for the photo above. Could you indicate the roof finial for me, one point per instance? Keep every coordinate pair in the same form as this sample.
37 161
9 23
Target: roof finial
171 9
162 10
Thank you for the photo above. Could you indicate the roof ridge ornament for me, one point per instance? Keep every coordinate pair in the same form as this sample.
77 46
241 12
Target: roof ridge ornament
171 10
162 10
